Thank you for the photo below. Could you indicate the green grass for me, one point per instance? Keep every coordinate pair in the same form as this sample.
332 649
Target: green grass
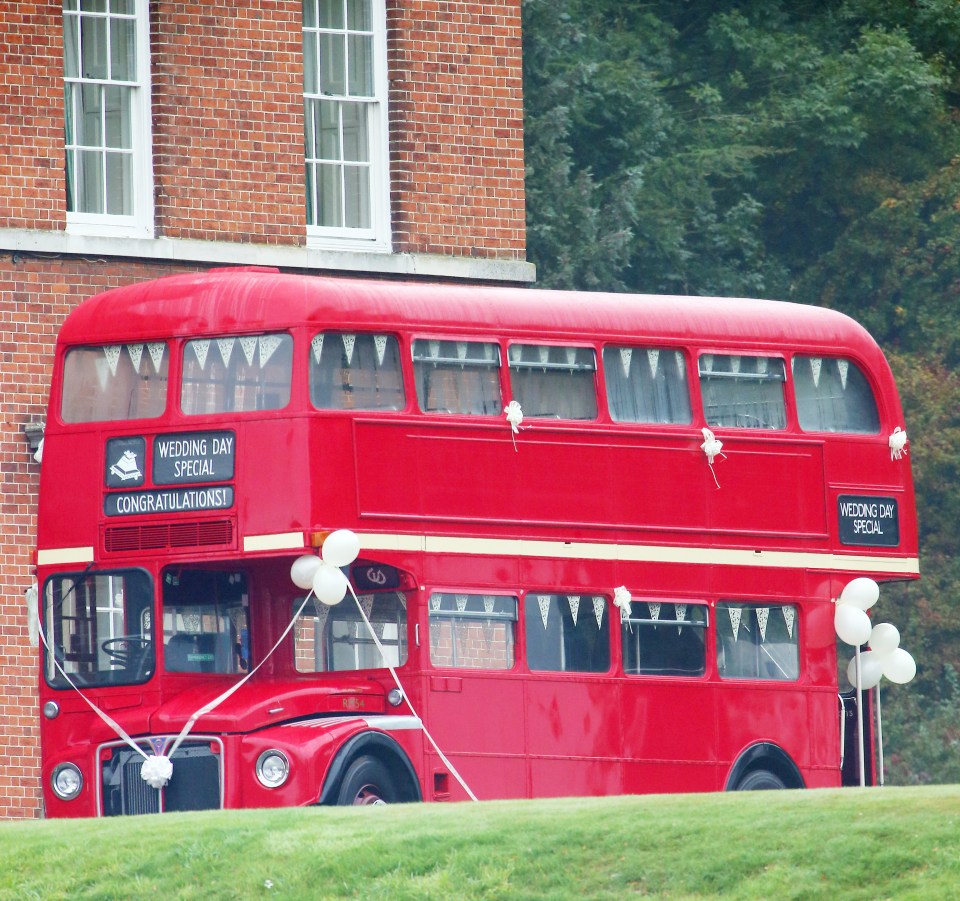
872 844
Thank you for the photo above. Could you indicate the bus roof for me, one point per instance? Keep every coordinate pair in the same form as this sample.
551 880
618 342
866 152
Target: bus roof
239 300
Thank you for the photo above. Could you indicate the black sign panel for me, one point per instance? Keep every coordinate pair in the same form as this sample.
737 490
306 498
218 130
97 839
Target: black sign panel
193 457
173 500
375 576
125 462
868 520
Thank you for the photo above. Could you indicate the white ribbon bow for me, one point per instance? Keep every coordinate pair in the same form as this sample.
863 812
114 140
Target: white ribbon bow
898 443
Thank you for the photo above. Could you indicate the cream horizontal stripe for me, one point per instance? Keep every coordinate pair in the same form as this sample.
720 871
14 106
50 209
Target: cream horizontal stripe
281 541
638 553
57 555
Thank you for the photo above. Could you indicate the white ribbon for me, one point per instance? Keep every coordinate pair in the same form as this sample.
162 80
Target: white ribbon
514 414
712 447
898 443
621 599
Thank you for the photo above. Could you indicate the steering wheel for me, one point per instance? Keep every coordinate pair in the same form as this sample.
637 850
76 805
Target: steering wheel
127 651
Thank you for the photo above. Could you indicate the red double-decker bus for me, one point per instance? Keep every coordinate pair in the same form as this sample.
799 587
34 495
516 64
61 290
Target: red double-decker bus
600 541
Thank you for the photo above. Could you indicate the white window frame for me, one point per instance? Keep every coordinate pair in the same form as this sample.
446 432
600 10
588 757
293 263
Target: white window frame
377 237
139 224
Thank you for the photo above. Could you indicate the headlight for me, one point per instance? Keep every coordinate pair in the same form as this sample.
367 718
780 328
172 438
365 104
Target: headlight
66 781
272 769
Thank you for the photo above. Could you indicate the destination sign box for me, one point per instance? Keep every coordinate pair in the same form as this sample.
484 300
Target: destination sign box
172 500
193 457
868 520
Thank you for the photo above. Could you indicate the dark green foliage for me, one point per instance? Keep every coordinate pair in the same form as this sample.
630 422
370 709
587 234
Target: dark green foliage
801 149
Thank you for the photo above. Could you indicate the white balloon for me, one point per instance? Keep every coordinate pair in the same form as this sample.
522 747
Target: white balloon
340 548
862 593
303 570
884 638
329 584
852 624
899 666
871 669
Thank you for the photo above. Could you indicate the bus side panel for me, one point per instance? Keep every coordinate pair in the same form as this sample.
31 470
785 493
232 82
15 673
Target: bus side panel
669 735
573 736
476 717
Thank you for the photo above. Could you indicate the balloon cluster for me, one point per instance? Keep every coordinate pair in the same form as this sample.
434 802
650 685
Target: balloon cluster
885 657
322 575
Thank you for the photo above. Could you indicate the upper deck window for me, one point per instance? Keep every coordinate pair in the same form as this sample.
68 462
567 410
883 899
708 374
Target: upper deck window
646 384
557 382
833 396
743 392
457 377
114 381
236 374
355 372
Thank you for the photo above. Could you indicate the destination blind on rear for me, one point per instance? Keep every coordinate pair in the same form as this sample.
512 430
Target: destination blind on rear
868 520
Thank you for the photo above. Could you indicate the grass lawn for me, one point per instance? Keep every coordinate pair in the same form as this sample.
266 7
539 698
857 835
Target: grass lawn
840 844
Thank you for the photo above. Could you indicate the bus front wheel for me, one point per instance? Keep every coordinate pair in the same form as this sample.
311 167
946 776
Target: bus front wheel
366 781
760 780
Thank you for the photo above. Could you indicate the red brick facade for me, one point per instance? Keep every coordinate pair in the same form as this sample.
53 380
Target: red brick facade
227 163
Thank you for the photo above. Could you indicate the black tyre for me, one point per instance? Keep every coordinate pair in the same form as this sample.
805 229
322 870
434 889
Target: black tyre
366 781
760 780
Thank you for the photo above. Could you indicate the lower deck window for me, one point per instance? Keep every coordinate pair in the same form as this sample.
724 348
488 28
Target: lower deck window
473 631
567 633
663 638
336 639
205 628
757 642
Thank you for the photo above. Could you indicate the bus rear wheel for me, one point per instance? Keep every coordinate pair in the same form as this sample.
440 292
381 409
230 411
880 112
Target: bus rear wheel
366 782
760 780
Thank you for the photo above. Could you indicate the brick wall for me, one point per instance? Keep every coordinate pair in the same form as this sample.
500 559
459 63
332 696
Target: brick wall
456 104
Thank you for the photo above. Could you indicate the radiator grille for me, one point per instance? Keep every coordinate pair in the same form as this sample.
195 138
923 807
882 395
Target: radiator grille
195 784
203 533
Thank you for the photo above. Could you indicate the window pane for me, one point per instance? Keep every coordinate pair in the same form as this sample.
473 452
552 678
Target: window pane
355 146
355 372
310 84
236 374
117 117
555 382
330 196
646 384
118 381
329 639
833 396
356 190
358 15
743 391
567 633
757 642
90 115
205 628
664 638
472 631
100 628
71 47
360 48
457 377
328 131
93 46
90 181
119 175
123 46
331 13
333 64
